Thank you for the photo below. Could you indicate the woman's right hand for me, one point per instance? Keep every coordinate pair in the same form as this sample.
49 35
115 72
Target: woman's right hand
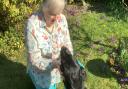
56 63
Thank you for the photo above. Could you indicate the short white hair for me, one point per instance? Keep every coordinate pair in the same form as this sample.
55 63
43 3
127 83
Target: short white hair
53 6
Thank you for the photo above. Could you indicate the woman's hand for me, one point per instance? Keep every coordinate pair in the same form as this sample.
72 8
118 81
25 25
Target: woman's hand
56 63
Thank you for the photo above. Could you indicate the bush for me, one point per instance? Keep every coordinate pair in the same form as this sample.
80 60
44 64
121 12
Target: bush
11 42
123 54
119 8
15 11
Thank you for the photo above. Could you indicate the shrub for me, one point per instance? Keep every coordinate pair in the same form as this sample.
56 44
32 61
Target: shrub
11 42
123 54
15 11
119 8
119 56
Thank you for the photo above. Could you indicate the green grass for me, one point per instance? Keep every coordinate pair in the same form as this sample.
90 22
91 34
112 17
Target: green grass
95 35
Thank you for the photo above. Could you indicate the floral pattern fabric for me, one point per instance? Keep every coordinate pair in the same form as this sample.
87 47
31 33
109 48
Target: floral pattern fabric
44 47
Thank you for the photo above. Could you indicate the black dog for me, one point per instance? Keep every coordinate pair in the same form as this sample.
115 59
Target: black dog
74 75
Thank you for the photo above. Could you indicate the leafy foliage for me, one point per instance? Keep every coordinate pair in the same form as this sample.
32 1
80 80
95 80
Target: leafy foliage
76 2
15 11
11 42
123 54
119 55
119 8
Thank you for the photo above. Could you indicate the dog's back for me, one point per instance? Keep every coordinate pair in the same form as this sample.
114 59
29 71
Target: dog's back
73 75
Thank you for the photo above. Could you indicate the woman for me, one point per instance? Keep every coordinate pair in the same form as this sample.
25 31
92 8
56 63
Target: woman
46 32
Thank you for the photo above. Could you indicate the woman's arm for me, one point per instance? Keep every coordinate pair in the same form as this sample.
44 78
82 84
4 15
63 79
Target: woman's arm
34 53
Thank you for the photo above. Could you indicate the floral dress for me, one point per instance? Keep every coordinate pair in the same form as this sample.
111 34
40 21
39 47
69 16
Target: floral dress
43 47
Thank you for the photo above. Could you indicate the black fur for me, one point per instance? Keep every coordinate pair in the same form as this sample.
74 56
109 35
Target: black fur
73 74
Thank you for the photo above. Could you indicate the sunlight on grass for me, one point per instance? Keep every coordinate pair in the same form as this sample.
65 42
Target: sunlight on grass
97 27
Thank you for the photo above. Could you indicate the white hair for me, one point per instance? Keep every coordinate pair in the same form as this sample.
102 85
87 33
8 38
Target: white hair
53 6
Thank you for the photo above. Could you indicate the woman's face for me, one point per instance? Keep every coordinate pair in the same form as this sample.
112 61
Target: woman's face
52 9
51 16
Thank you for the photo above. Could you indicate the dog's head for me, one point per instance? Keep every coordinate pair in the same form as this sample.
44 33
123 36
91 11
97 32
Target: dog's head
66 56
73 74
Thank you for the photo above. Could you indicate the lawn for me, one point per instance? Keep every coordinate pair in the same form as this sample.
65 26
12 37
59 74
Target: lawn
93 34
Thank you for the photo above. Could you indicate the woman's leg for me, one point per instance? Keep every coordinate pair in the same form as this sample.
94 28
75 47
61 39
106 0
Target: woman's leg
33 81
52 86
38 87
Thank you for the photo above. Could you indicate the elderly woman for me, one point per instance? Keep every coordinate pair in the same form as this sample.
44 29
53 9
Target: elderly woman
46 32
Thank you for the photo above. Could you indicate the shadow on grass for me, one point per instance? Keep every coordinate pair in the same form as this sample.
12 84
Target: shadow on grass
13 75
99 68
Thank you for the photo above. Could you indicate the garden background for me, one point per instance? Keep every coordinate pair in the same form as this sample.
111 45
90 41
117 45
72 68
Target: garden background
96 27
